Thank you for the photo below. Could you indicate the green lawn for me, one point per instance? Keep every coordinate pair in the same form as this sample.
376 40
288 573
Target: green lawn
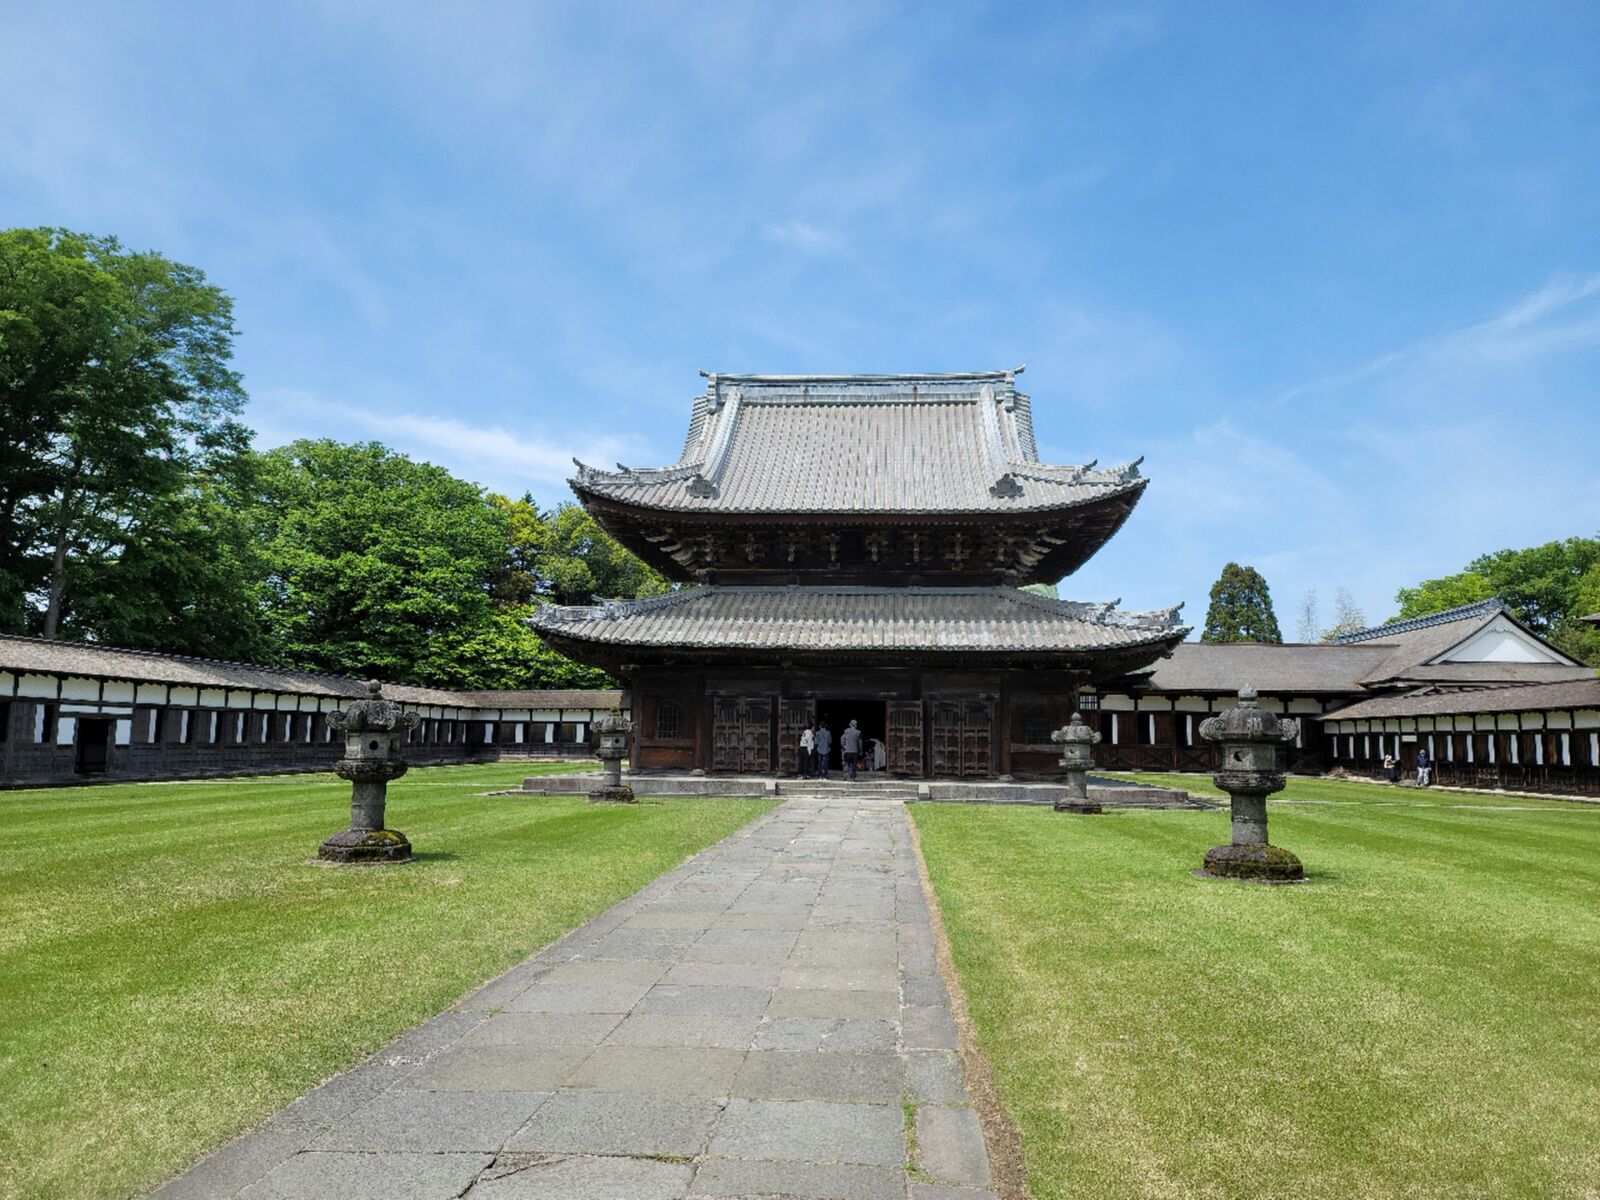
172 969
1422 1019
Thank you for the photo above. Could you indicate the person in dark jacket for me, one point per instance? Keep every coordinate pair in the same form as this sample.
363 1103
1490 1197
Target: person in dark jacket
850 745
824 748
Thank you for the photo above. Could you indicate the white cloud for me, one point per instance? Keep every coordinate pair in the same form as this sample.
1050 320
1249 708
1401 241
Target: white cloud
497 457
1561 316
803 236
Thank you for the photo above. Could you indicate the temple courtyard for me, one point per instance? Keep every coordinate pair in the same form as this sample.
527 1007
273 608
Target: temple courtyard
742 997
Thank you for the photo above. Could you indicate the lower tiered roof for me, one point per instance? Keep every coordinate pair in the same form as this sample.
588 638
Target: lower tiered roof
859 624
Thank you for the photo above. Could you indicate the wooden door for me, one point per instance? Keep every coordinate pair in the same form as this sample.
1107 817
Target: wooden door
756 735
793 716
725 734
977 737
946 737
905 738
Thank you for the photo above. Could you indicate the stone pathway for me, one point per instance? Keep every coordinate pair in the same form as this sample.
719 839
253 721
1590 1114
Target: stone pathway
765 1021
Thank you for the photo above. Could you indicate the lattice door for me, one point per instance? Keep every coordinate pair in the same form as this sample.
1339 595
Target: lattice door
977 730
905 738
725 735
756 735
793 716
946 739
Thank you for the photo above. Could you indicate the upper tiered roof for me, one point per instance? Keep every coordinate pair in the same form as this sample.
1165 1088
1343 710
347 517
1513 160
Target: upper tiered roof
959 443
767 455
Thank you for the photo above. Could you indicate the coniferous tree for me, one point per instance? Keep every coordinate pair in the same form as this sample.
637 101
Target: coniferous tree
1241 608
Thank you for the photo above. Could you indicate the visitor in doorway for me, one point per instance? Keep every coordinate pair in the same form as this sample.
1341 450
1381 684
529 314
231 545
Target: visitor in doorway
1391 768
1424 769
824 745
850 744
877 753
808 748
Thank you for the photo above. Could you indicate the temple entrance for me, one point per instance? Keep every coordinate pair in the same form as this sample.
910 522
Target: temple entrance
94 741
871 715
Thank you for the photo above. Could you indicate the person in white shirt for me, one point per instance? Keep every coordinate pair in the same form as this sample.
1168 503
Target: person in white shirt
808 748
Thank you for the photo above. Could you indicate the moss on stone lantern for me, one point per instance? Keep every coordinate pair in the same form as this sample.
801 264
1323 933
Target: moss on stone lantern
1249 738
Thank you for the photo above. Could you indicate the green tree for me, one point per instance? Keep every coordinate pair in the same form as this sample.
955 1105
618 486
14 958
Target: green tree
160 593
115 390
1241 608
1436 595
1549 587
564 557
502 651
375 564
1575 636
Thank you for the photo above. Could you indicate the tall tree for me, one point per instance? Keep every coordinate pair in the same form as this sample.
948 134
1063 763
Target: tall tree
374 563
1241 608
1309 629
1347 616
115 388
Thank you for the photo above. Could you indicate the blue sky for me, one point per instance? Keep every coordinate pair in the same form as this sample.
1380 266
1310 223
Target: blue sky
1333 270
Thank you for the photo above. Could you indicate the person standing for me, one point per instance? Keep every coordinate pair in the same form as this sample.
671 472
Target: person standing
850 744
824 745
808 748
1424 769
1391 768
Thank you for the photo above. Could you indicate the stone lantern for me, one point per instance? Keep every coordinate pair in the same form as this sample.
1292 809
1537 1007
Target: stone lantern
374 732
1249 738
611 747
1077 743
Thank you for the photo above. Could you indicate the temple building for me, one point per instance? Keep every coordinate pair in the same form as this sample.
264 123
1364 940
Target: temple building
855 548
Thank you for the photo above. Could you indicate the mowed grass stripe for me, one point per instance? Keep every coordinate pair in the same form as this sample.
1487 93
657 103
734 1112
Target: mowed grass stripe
172 968
1417 1021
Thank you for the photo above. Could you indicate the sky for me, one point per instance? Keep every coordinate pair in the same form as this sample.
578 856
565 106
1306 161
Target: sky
1332 270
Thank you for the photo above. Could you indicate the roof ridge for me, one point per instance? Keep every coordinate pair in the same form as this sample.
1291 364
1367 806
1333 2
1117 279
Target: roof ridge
1444 616
870 377
197 659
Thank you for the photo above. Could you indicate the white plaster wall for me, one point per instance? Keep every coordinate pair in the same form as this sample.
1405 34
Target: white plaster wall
1500 641
80 689
41 687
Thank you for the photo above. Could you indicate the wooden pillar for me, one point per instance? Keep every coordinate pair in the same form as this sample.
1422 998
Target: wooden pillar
1003 758
702 721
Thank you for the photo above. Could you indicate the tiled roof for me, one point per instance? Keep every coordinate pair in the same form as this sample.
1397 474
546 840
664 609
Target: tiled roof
860 444
842 618
555 698
1529 698
1270 669
1462 612
21 655
1464 673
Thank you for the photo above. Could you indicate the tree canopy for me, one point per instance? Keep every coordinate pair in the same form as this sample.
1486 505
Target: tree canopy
1549 587
1241 608
134 511
118 415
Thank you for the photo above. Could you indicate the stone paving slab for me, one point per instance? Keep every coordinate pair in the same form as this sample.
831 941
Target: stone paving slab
765 1020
